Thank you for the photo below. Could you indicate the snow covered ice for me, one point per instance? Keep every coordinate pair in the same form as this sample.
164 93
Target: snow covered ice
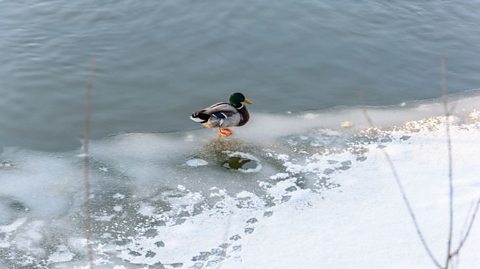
305 194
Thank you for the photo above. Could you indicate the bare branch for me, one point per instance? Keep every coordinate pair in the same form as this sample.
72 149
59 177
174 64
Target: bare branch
450 160
453 106
467 220
402 190
469 228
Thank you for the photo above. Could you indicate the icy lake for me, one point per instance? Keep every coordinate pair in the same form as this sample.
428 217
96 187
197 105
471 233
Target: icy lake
302 194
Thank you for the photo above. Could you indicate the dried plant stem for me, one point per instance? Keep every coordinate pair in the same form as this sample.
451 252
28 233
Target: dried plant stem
450 160
469 228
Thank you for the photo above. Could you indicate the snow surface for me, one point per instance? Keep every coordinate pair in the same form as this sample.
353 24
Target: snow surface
364 224
320 196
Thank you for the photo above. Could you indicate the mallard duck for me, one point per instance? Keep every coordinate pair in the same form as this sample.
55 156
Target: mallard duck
223 115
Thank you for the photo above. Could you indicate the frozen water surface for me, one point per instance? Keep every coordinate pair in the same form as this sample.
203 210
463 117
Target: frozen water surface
288 191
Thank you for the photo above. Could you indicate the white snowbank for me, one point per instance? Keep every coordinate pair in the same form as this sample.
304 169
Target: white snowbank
364 224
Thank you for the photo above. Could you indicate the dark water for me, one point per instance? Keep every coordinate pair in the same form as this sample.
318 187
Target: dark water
157 61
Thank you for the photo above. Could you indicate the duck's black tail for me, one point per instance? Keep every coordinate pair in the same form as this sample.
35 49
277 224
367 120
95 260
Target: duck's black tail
200 117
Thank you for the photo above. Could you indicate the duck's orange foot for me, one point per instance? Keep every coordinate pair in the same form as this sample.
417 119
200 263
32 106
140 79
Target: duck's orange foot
224 132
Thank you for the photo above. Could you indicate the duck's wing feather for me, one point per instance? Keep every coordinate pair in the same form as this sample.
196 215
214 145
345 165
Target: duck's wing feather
218 115
220 110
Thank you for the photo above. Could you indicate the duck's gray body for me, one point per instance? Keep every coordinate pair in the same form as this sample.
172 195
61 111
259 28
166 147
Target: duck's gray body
222 115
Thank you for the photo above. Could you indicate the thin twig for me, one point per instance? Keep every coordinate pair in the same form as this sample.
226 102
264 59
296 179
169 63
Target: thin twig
86 166
402 190
467 220
467 233
450 160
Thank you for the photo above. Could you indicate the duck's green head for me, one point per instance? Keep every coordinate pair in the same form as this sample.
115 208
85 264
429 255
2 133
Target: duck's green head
237 99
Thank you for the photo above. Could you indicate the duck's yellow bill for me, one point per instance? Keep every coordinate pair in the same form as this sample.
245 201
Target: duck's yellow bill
247 101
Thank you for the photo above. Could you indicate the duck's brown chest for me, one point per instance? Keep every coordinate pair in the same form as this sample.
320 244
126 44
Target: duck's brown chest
245 116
